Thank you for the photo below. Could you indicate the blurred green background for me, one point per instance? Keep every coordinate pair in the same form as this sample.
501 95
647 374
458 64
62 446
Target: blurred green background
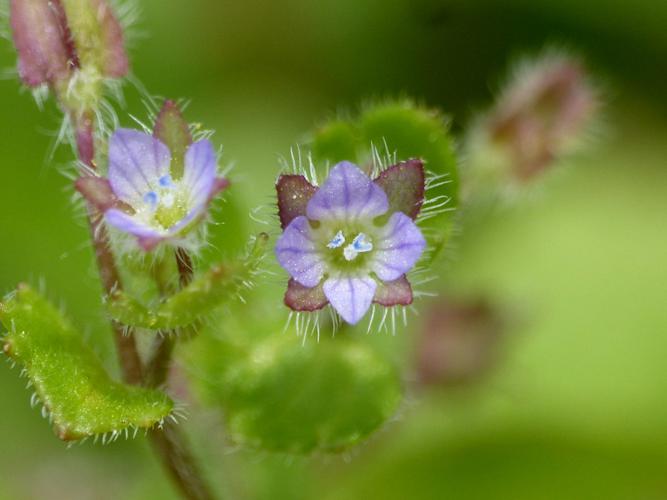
577 408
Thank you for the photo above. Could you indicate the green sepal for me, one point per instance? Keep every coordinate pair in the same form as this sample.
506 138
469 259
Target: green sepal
193 303
174 132
77 394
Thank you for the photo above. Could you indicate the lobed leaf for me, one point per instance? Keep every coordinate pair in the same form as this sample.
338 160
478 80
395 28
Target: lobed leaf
325 396
191 304
77 393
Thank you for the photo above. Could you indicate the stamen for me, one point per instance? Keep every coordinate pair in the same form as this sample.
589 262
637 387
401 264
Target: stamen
152 199
360 244
165 181
337 241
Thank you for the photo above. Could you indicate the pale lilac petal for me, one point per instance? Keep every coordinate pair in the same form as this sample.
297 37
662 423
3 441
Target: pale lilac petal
148 237
347 194
398 247
298 255
136 163
200 169
350 296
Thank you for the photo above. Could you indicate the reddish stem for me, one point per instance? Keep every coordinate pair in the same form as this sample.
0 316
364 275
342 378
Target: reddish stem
126 346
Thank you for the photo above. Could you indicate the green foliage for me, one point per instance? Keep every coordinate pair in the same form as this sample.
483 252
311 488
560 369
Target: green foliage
517 463
408 131
77 393
279 395
188 306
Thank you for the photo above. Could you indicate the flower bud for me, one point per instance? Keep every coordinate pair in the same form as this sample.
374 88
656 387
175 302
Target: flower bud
41 36
540 117
542 113
97 36
459 344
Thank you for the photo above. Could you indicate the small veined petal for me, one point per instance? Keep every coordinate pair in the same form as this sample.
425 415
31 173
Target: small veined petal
200 168
394 293
298 255
301 298
294 193
350 296
136 163
347 194
398 247
147 236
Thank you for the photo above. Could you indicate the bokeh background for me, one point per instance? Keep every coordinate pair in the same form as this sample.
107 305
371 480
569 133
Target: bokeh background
577 408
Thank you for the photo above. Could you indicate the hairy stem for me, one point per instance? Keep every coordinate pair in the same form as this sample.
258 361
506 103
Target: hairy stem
125 343
172 448
170 443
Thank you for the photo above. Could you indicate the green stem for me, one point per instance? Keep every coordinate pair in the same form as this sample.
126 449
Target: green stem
170 443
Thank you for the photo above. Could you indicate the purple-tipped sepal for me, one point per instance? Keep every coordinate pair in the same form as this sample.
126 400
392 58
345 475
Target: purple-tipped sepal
348 243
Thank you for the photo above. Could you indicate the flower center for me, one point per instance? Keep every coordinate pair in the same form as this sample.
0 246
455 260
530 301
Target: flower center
166 204
360 244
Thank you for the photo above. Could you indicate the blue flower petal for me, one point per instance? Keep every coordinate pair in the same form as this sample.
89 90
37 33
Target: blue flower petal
347 194
298 255
350 296
148 236
200 169
398 247
136 163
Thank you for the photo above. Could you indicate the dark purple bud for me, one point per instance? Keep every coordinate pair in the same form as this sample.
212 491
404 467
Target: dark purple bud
404 185
172 129
294 193
41 36
301 298
460 342
394 293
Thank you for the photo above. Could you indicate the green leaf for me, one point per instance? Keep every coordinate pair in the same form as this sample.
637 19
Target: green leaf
336 141
221 283
285 396
77 393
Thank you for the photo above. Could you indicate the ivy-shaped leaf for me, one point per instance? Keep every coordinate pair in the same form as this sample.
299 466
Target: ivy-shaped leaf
284 396
77 394
197 300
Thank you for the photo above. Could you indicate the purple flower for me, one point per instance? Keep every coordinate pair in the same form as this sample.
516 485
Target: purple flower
142 198
351 241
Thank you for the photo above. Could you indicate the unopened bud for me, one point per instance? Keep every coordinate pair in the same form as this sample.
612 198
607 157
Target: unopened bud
97 36
41 36
542 113
541 116
459 344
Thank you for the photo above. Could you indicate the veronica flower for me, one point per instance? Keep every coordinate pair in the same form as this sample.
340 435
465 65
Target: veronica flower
143 199
351 241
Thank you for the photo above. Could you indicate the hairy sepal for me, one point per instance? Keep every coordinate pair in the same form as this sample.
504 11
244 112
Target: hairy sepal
221 283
